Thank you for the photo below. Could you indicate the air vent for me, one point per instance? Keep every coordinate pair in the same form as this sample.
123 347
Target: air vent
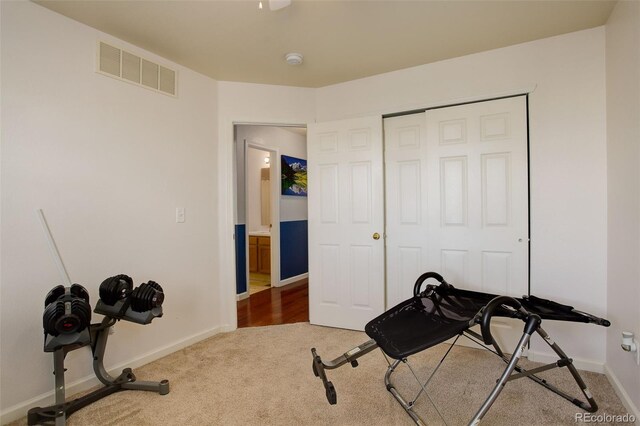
126 66
167 80
109 59
130 67
150 74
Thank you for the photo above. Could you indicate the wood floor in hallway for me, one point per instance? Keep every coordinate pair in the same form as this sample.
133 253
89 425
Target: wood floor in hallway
278 305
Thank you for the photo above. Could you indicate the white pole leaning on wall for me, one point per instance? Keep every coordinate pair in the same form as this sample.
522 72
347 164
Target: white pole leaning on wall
54 249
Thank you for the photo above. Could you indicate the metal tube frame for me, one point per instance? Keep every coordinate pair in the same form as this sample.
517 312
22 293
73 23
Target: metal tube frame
507 375
512 372
57 414
350 356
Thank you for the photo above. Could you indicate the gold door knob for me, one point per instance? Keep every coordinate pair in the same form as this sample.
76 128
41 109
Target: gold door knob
376 236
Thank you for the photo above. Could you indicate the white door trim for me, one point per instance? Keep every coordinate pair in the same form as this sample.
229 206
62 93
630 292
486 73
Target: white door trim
226 259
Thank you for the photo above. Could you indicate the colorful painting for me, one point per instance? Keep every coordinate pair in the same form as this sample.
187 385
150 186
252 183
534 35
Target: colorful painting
294 176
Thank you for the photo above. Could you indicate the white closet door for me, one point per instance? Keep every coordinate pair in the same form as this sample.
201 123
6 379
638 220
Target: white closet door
457 201
346 210
478 191
406 216
478 214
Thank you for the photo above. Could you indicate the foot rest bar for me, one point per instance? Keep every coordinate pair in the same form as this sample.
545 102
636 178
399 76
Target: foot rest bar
348 357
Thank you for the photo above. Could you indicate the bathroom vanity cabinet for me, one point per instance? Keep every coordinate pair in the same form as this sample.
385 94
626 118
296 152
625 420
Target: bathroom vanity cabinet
260 254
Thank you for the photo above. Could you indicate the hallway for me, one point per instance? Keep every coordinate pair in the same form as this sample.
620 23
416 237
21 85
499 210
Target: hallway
278 305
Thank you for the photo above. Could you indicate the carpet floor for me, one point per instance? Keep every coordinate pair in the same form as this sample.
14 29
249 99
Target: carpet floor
262 376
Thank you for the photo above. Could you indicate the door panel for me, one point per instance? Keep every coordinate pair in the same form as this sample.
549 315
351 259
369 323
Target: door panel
457 200
482 190
453 191
481 231
346 265
496 169
406 203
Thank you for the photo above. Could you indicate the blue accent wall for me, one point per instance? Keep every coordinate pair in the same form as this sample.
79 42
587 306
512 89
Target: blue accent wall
241 260
294 249
294 252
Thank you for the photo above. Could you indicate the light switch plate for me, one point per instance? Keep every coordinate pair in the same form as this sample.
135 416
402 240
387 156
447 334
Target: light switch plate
179 214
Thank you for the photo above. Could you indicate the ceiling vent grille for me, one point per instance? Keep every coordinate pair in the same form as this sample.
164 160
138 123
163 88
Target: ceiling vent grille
126 66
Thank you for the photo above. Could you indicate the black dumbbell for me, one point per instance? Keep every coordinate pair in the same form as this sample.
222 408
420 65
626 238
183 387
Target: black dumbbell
67 310
115 288
147 296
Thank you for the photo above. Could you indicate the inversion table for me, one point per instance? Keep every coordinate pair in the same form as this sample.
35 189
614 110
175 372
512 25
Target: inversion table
441 312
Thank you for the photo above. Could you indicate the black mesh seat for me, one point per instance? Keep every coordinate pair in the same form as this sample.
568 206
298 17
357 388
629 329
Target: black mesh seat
443 312
417 324
548 309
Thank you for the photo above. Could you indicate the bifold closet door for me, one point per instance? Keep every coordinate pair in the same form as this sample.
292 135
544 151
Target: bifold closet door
346 222
406 211
457 200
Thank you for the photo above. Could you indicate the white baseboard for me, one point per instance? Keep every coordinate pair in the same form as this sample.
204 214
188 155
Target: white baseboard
293 279
242 296
580 364
622 394
20 410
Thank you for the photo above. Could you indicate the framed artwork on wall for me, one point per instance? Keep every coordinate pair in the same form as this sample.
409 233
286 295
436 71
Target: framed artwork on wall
294 176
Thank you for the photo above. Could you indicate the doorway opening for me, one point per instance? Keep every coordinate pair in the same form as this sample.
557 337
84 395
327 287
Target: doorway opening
270 226
258 201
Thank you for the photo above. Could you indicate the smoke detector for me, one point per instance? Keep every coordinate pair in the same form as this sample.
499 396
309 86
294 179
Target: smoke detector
293 58
278 4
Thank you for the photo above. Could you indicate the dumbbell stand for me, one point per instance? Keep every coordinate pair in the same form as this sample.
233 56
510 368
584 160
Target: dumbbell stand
57 414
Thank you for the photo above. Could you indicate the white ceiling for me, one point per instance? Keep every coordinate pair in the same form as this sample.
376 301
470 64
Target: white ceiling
340 40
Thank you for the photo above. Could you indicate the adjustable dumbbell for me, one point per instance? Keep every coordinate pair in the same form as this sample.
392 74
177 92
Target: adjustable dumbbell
67 310
115 288
147 296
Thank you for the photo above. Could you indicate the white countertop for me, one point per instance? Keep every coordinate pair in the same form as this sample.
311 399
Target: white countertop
259 233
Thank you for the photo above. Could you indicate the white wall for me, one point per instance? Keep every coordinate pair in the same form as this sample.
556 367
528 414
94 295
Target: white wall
566 77
288 142
108 162
623 165
247 103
